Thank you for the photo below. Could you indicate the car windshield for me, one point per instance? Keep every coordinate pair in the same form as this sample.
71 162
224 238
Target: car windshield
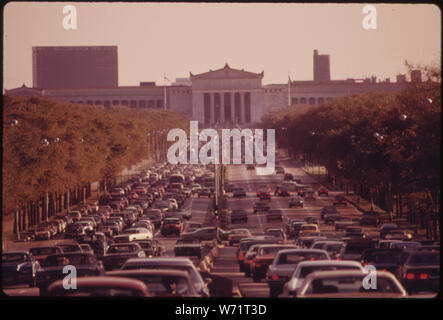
194 276
356 248
14 257
68 247
305 271
386 257
43 251
270 250
350 284
334 247
77 259
275 233
296 257
166 285
122 249
424 259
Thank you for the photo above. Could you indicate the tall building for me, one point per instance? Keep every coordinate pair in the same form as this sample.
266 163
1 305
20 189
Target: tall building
322 70
78 67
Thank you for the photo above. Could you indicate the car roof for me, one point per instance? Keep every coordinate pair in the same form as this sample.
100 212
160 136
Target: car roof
330 263
159 260
102 281
303 250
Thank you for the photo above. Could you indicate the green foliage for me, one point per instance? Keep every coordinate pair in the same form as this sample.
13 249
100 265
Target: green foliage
86 144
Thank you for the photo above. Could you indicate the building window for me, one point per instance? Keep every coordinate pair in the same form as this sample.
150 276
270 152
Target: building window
133 103
159 103
303 100
320 100
107 104
294 100
125 102
142 104
98 102
151 103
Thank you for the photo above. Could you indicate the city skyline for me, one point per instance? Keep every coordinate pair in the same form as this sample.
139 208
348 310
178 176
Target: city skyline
245 40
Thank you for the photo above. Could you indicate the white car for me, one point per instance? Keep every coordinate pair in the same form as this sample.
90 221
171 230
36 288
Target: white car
174 204
284 264
305 268
351 284
138 233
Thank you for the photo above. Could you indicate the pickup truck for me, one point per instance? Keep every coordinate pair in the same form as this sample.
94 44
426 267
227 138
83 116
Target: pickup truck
187 247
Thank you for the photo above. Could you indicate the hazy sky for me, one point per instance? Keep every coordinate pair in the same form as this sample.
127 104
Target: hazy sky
173 39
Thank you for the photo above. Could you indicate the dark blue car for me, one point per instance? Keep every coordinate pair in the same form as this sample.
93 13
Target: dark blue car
19 267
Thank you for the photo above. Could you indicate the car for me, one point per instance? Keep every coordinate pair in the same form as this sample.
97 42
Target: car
264 192
162 283
187 247
296 202
19 267
341 223
406 246
204 192
118 253
328 210
175 263
354 249
102 286
184 215
86 264
332 217
98 242
249 259
69 247
261 206
278 233
350 284
370 218
43 232
385 228
235 235
238 192
264 256
322 191
302 189
354 232
40 253
86 248
398 234
384 259
246 243
239 215
148 247
332 247
284 264
311 220
307 228
173 225
340 200
191 226
282 191
421 272
156 216
310 195
293 228
274 214
206 233
305 268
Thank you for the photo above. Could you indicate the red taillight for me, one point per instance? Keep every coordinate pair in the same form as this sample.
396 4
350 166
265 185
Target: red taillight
274 277
424 276
229 238
257 265
384 270
250 261
338 258
410 276
312 259
240 256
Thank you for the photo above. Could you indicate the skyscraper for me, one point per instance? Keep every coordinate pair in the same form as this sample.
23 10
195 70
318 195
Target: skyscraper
321 67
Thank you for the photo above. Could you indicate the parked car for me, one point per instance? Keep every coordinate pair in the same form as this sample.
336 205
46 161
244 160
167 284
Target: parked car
284 264
19 267
349 284
103 286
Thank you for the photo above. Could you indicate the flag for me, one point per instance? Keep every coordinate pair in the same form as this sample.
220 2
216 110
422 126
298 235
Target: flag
166 79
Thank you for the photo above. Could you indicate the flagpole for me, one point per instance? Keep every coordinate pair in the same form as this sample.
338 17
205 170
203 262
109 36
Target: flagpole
289 90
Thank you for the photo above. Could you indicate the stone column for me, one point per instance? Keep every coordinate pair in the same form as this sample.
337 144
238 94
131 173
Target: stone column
242 107
232 96
222 107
